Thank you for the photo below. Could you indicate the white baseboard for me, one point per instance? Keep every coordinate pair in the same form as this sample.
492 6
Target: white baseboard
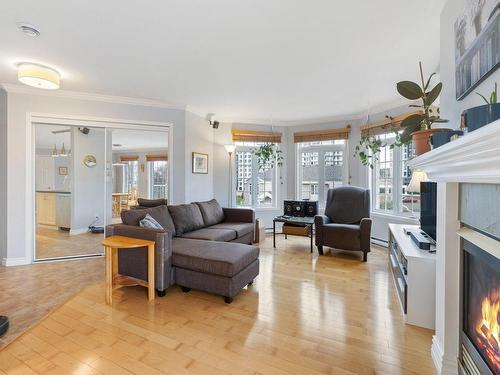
443 365
11 262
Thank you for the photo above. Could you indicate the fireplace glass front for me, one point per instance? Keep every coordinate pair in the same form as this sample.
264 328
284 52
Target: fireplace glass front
481 305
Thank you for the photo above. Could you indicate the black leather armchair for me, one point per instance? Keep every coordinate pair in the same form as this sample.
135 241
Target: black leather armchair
346 223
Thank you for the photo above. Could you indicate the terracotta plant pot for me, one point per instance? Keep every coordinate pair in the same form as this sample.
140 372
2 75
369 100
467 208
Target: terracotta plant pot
421 139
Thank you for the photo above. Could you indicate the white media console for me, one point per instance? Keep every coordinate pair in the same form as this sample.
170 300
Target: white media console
414 273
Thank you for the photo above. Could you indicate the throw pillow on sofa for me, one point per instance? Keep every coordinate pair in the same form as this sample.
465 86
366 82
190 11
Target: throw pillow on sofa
160 214
211 211
149 222
187 218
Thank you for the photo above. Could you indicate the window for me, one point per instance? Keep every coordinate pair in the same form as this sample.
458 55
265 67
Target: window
158 177
255 186
390 178
132 174
321 167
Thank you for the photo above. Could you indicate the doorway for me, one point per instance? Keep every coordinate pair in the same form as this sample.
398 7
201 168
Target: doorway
85 176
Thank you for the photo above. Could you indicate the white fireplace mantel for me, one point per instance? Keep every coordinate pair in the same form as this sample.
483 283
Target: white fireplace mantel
474 158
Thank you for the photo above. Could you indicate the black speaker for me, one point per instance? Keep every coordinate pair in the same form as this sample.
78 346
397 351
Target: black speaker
311 208
294 208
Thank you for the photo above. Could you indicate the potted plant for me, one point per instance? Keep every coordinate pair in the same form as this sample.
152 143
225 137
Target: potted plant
268 154
476 117
419 125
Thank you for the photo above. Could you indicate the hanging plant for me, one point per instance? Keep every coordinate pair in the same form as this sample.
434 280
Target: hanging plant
268 154
369 147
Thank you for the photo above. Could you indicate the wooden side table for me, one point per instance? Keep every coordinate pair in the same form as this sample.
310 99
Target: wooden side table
113 279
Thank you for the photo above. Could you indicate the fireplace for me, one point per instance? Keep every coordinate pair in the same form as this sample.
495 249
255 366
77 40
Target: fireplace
480 341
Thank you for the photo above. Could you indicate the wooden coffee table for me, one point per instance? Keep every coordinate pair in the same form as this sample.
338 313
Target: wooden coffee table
306 223
114 280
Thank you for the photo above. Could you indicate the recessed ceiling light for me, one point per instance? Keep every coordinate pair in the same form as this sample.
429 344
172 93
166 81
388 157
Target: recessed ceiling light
39 76
28 29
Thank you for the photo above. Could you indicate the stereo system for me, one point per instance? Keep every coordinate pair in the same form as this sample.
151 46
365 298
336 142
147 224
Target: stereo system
300 208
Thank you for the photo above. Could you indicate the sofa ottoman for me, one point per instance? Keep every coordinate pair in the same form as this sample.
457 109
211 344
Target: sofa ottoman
213 266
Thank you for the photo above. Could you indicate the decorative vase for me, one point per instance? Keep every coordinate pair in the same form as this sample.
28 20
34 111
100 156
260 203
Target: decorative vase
477 117
421 139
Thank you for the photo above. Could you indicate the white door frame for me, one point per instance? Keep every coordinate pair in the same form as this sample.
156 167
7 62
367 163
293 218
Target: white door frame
33 118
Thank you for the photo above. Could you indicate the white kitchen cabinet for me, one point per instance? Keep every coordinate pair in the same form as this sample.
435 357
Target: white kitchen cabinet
46 208
63 210
44 172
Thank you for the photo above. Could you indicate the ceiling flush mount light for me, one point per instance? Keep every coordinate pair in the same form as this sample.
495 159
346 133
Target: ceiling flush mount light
38 76
28 29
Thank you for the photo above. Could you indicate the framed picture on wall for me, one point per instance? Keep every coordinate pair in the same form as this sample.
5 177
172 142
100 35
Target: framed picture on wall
477 45
63 171
200 163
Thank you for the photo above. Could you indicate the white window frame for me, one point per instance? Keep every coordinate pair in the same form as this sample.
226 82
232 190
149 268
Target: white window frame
321 150
150 179
255 173
397 186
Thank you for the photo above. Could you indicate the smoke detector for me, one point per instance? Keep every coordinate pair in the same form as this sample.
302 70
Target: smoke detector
28 29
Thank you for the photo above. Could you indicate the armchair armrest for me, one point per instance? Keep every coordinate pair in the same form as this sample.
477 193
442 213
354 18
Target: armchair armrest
365 228
130 262
319 221
239 215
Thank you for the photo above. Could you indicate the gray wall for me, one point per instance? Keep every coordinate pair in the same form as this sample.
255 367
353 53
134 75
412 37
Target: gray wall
199 138
450 107
3 174
88 193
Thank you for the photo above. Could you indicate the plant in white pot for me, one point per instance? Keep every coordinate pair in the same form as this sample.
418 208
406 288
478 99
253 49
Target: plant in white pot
419 126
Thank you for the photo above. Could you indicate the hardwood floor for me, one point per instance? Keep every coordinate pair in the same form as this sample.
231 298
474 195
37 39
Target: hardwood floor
54 243
304 314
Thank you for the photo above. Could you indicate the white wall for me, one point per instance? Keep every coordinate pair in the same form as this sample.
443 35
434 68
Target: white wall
3 174
450 107
18 170
88 192
199 138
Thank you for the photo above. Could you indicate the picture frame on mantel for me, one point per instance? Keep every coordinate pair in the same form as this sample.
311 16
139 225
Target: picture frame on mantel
200 163
476 44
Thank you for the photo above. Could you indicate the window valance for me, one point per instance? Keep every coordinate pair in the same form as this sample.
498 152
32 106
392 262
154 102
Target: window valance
322 135
124 158
255 136
385 126
158 157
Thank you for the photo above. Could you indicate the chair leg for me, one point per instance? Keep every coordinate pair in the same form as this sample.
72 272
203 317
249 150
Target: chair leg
185 289
228 300
250 283
365 256
161 293
320 249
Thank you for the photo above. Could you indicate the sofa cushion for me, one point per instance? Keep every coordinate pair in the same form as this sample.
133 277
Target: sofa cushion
211 234
240 228
187 217
151 202
211 211
159 213
213 257
150 222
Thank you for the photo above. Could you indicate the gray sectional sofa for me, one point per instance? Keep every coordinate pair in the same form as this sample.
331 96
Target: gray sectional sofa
201 246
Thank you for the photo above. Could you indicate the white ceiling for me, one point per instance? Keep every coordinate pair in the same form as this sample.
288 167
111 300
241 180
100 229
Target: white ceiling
259 59
128 139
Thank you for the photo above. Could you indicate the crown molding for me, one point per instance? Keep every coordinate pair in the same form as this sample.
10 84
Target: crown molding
68 94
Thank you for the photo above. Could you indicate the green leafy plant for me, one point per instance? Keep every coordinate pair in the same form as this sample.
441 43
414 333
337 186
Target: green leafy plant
430 114
493 96
367 150
268 154
370 146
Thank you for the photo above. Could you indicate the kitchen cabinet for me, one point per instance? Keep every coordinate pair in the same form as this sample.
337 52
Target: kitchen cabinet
63 210
44 172
46 208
